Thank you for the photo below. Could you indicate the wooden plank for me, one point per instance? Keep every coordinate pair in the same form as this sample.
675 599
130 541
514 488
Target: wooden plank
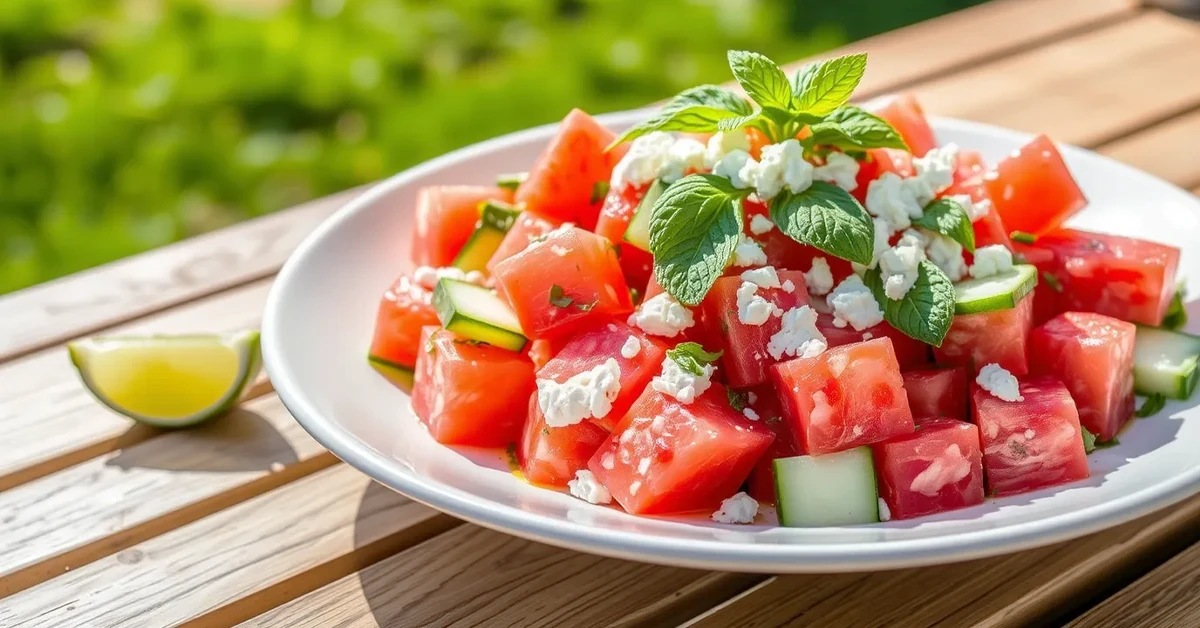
1173 148
473 576
1038 587
966 38
108 503
50 313
1085 90
45 408
235 564
1167 596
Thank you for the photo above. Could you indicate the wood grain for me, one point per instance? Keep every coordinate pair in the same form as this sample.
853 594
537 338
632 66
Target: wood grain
235 564
1167 596
45 408
1085 90
50 313
1172 149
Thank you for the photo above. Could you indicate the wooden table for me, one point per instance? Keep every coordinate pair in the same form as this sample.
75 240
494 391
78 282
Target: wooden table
249 520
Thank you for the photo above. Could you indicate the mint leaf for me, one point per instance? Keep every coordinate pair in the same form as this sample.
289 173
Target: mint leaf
1089 440
826 217
821 87
694 228
692 357
1023 237
947 217
1152 405
599 191
761 79
711 96
737 400
697 109
1177 315
851 128
926 311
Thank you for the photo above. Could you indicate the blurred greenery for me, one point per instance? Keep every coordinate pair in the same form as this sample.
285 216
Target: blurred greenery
128 124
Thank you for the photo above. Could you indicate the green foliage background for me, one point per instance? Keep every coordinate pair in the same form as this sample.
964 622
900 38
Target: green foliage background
128 124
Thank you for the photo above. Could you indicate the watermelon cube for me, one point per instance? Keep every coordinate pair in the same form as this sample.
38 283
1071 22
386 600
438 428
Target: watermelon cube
561 183
938 467
525 229
445 219
910 352
999 337
1093 356
469 393
1032 189
848 396
764 403
1045 295
551 455
1033 443
937 392
670 457
1126 278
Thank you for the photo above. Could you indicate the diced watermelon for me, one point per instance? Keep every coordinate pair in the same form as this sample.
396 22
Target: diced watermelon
541 350
910 352
617 211
1029 444
1126 278
562 181
970 166
783 252
745 359
592 347
670 457
525 229
845 397
1093 356
989 229
1045 295
765 404
1000 336
468 393
937 468
404 309
937 392
584 268
445 219
905 115
1033 190
551 455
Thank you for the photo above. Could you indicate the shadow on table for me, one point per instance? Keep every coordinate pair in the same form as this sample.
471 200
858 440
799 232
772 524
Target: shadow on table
380 583
239 441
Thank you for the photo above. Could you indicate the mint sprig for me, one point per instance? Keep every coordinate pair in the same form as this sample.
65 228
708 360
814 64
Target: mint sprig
826 217
692 357
850 128
761 79
947 217
926 311
694 228
1089 440
699 109
823 86
1152 405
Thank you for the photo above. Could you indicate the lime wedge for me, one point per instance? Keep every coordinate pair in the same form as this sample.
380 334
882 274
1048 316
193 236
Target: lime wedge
401 376
168 381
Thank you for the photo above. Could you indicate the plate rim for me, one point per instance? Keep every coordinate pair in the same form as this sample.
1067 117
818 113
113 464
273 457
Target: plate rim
825 557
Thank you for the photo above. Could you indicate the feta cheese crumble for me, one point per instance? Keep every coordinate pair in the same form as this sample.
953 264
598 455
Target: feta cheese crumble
724 142
798 335
585 486
428 276
685 154
947 255
764 277
760 224
883 232
788 286
936 169
885 513
781 165
631 348
681 384
585 395
840 169
661 315
991 260
753 309
975 211
899 265
819 278
740 508
853 304
749 413
645 159
891 200
748 253
1001 383
731 165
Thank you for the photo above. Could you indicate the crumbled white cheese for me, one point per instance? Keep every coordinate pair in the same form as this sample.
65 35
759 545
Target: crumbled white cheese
585 395
900 263
740 508
764 277
885 513
749 413
852 303
781 165
724 142
751 397
998 381
585 486
840 169
427 276
631 348
883 233
819 278
947 255
752 308
975 211
991 260
798 335
661 315
891 200
731 166
680 384
686 154
748 253
644 161
788 286
760 224
936 168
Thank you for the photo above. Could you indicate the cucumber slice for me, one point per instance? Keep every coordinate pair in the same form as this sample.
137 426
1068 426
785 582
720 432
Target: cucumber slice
638 231
830 490
998 292
399 375
477 313
511 181
495 219
1164 362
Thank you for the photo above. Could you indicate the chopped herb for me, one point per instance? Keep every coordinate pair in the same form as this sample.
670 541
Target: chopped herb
1089 440
635 295
1052 281
545 431
1023 237
538 239
774 419
511 181
1177 315
692 357
1108 443
469 342
1152 405
514 464
559 298
599 191
737 400
430 348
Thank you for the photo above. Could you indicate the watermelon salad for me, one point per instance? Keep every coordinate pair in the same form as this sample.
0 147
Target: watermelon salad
781 298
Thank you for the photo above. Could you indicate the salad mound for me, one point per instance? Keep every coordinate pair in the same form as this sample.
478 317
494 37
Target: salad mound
782 298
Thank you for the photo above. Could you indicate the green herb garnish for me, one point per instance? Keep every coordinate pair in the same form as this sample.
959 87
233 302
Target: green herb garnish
947 217
692 357
1152 405
1023 237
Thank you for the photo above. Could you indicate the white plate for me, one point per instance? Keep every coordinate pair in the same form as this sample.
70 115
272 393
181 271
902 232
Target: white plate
318 325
